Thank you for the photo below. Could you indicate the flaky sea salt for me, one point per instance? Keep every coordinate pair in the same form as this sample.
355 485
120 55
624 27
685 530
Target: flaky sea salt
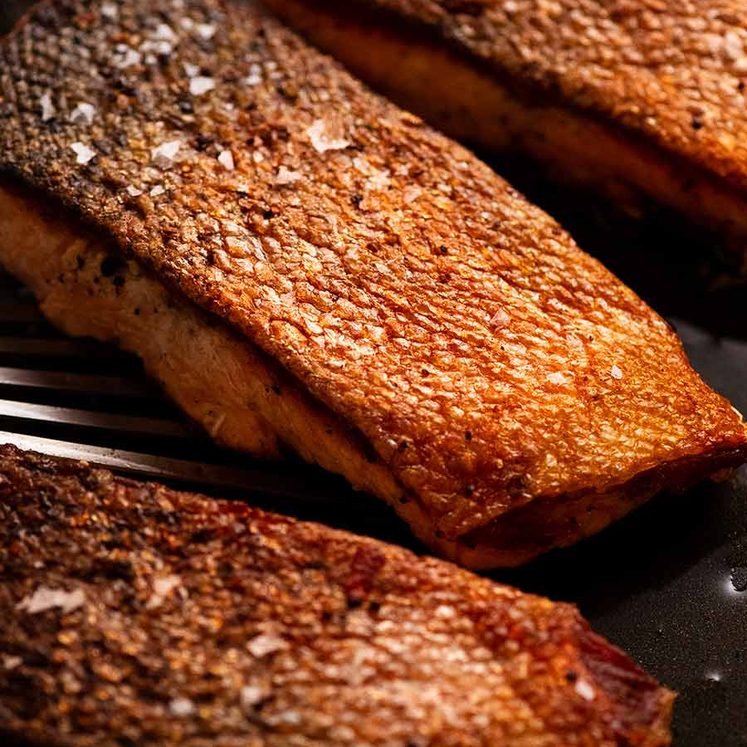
378 180
255 75
361 164
181 707
83 113
47 107
157 191
411 193
500 319
206 30
134 191
321 140
288 718
265 644
45 598
152 49
225 158
164 154
585 690
125 57
445 611
286 176
11 662
162 587
250 695
110 11
616 373
83 152
191 70
164 32
556 378
200 85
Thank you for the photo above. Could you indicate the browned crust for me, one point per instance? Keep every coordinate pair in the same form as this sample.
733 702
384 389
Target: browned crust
475 99
365 643
486 360
670 73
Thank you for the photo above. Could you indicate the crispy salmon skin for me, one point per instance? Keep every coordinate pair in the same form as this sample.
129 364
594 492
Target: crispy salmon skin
288 250
631 96
135 614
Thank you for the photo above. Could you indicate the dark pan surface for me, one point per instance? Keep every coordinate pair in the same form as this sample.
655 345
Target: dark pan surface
668 584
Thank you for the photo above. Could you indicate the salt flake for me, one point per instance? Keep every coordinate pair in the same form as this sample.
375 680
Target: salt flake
616 373
411 193
500 319
83 113
164 32
134 191
251 695
162 587
200 85
206 30
182 707
225 158
321 140
110 11
152 49
47 107
445 611
12 662
255 75
286 176
83 152
191 70
585 690
556 378
290 718
378 181
157 191
44 599
125 57
164 154
265 644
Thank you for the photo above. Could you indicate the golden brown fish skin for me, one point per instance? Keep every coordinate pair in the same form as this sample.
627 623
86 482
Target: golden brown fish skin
488 362
633 97
194 620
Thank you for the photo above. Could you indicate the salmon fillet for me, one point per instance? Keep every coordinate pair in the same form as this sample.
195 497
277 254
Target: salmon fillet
303 264
135 614
636 98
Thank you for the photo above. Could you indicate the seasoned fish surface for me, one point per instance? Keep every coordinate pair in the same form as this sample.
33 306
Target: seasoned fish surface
624 94
135 614
495 384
